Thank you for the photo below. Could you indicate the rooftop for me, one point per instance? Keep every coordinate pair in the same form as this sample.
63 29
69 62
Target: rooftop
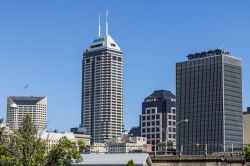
207 54
161 94
25 100
142 159
102 43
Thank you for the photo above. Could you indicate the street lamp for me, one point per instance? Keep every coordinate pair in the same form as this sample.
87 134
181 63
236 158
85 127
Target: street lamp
184 120
177 123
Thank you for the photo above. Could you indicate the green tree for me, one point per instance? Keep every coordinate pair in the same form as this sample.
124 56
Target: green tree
63 153
130 163
247 152
25 148
81 145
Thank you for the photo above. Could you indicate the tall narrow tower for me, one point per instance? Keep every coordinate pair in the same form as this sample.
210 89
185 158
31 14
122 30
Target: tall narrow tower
102 89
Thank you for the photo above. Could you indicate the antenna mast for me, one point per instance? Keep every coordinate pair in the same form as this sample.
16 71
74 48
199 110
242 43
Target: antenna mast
99 26
107 30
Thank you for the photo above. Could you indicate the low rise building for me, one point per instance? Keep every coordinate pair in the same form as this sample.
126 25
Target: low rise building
52 137
134 144
246 125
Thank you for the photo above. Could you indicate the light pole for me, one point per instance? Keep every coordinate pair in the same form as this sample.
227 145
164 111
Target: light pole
176 124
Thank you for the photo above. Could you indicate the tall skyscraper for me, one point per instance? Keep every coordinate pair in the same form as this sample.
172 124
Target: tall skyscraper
19 106
102 89
158 118
209 95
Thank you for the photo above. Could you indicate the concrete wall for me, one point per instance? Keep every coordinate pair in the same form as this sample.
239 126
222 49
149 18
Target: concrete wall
196 164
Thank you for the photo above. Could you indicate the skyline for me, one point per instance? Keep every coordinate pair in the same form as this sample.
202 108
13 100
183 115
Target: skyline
48 48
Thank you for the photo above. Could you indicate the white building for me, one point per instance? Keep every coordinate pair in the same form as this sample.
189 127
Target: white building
102 89
19 106
52 138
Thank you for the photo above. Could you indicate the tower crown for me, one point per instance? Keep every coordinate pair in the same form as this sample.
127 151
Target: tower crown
103 43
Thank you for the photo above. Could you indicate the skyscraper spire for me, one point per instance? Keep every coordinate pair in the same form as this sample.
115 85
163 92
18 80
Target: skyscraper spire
99 26
107 30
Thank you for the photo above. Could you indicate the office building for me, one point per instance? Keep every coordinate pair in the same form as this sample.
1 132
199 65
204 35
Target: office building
102 89
158 118
246 125
209 95
19 106
135 131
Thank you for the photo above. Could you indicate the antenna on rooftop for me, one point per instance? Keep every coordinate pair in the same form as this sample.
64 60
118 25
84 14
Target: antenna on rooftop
99 26
107 24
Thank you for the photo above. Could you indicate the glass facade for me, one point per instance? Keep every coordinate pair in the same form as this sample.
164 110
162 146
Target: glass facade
208 94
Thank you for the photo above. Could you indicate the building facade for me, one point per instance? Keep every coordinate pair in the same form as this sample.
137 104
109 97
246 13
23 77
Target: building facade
51 138
102 90
135 131
246 124
19 106
209 95
158 118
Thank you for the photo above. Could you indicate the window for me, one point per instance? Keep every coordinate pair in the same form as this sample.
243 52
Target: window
169 116
119 59
143 130
153 111
174 111
148 123
143 124
148 117
152 136
153 129
114 58
157 116
170 136
153 117
157 123
148 111
87 60
153 123
143 117
148 130
113 45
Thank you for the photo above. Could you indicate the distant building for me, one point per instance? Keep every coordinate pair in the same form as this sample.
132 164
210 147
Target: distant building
246 124
158 118
102 89
135 131
19 106
51 137
209 95
99 148
131 145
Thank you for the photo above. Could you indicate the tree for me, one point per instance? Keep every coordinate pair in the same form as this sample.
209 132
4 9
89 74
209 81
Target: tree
26 148
131 163
63 153
81 145
247 152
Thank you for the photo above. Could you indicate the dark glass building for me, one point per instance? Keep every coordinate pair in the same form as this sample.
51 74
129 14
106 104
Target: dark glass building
157 121
209 95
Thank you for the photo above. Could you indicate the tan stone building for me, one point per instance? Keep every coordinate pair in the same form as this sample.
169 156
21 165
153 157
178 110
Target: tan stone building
246 125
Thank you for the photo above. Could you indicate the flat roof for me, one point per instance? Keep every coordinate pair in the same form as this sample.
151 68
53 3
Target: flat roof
142 159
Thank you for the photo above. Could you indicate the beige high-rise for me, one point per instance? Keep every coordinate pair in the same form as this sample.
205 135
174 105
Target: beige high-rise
19 106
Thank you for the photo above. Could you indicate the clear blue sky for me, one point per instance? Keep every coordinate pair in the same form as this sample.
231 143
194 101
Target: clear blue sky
41 44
